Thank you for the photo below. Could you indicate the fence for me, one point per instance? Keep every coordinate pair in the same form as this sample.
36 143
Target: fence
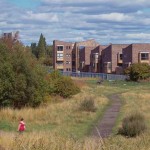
95 75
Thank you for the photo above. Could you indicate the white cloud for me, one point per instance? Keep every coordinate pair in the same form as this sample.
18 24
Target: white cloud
72 20
47 17
119 17
138 36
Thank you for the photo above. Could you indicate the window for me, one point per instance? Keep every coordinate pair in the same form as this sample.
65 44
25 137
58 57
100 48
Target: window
144 56
120 56
59 62
59 48
59 56
73 63
68 55
107 65
68 69
73 56
67 47
68 62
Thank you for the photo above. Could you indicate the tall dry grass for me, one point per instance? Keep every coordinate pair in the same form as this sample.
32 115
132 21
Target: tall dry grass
49 141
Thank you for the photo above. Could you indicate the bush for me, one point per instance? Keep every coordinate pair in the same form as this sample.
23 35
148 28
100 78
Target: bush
138 71
61 85
88 105
132 125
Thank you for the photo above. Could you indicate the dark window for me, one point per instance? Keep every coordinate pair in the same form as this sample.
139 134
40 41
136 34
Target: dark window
144 56
73 63
68 47
120 56
73 56
59 62
60 48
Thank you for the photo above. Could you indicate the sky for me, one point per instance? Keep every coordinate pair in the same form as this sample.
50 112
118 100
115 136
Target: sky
106 21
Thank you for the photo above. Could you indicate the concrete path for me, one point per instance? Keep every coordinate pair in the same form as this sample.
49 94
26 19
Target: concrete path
105 125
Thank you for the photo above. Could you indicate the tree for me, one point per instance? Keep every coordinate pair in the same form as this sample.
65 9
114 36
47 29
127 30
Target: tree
34 49
41 48
22 79
138 71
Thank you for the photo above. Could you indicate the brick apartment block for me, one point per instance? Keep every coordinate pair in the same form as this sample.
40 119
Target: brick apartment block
89 56
136 53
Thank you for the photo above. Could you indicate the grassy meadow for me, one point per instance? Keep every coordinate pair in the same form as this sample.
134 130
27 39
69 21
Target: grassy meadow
61 125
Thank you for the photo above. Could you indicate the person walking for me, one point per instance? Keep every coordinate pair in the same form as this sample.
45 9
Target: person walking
21 126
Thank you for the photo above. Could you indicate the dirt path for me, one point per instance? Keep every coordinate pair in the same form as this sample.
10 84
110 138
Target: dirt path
104 127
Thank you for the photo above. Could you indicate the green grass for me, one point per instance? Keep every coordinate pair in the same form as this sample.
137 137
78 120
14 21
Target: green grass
7 126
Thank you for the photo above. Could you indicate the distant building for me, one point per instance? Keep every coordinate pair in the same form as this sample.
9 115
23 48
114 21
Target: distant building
7 35
89 56
136 53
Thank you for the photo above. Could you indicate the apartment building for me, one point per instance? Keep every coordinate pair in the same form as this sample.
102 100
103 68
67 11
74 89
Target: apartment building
89 56
62 53
136 53
67 55
77 52
84 59
96 59
112 58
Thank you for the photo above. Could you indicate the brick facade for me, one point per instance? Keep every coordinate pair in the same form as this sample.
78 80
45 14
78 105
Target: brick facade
132 54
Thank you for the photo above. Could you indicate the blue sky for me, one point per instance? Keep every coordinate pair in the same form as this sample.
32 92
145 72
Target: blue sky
25 3
106 21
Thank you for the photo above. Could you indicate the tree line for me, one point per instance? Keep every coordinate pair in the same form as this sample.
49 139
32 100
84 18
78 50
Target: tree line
42 51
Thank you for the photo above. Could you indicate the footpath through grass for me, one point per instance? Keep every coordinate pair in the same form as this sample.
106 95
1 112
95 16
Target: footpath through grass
62 125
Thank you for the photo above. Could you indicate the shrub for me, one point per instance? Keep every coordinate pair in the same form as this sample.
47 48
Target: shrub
133 125
61 85
88 105
138 71
65 87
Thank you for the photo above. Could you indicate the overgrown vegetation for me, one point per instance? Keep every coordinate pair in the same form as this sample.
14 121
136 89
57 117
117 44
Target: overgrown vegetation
88 104
22 80
138 71
61 85
133 125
